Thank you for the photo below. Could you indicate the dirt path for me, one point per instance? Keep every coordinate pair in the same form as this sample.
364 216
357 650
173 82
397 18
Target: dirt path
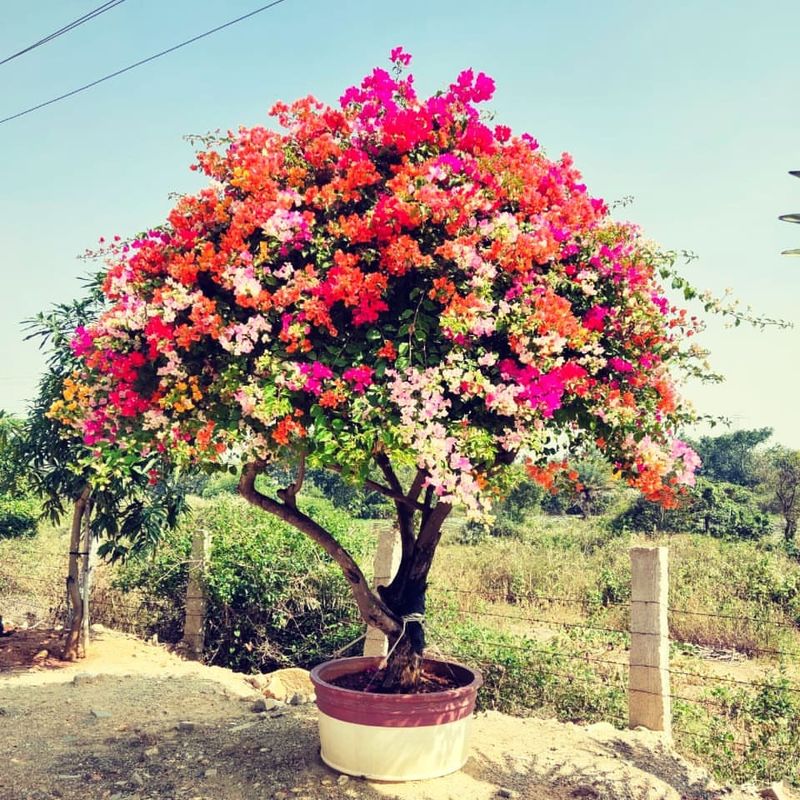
134 722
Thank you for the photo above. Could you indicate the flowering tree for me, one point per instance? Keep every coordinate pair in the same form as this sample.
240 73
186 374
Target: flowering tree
387 286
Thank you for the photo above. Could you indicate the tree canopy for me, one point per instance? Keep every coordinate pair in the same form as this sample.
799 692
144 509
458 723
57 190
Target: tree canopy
129 509
385 287
392 276
731 457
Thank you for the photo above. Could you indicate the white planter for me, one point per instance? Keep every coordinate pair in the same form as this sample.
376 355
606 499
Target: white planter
401 737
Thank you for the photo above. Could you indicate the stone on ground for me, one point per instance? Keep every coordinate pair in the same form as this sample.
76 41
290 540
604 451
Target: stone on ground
284 684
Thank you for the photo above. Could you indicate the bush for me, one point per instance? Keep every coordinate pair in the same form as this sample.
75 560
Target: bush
524 499
714 508
593 492
18 517
274 598
522 675
748 735
502 527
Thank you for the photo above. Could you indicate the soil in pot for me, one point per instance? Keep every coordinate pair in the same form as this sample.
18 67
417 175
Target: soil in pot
370 680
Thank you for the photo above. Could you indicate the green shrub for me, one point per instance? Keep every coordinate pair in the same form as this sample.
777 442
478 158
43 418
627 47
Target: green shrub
274 598
592 494
714 508
524 676
473 532
18 517
745 734
523 500
220 483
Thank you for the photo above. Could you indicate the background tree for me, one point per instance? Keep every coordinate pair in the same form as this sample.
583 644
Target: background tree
732 457
390 285
713 508
781 480
10 428
127 511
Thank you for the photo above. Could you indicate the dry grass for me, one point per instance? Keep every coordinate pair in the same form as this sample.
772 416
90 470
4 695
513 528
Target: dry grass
32 576
744 596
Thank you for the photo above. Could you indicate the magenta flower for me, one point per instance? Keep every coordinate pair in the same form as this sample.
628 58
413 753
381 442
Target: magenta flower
620 365
399 56
360 377
594 318
314 374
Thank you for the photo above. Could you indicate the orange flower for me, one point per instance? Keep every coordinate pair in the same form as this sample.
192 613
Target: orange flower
443 290
287 428
331 398
402 255
387 351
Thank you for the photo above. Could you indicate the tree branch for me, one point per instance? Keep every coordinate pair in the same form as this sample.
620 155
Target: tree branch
429 536
405 520
398 497
427 505
382 460
289 494
373 610
416 486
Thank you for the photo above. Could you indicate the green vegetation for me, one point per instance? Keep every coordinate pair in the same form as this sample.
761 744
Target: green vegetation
18 517
711 507
745 734
273 597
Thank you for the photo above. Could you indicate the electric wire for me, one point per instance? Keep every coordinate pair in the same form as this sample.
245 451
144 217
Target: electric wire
90 15
122 71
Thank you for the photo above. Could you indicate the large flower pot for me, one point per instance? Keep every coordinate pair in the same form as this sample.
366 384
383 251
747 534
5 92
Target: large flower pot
394 737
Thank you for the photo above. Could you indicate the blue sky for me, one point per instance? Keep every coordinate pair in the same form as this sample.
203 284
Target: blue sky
690 107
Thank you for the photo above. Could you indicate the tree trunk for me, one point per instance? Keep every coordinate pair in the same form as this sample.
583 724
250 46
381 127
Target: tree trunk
407 600
398 609
404 662
86 583
70 651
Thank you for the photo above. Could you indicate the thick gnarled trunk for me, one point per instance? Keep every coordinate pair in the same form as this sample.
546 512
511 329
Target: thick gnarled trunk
406 597
398 610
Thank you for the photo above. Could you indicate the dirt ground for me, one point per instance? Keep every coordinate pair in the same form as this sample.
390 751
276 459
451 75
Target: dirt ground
135 722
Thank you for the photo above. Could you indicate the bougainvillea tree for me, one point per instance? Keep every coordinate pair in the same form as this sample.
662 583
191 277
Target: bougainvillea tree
388 287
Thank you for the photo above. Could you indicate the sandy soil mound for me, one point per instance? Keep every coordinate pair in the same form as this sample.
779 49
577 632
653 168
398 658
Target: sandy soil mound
135 722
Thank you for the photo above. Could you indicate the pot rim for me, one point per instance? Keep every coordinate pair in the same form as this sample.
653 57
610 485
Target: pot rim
366 661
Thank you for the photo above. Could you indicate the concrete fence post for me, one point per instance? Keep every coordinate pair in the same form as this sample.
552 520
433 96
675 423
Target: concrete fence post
387 560
648 689
194 622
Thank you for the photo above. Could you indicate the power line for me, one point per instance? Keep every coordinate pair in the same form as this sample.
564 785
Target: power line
140 63
90 15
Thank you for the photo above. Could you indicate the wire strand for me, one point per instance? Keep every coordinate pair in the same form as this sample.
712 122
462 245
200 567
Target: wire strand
76 23
140 63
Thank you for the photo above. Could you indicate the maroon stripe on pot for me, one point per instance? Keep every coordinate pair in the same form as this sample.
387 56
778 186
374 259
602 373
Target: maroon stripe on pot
395 710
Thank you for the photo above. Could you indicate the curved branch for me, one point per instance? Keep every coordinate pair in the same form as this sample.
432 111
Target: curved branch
374 486
289 493
373 611
427 541
417 484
